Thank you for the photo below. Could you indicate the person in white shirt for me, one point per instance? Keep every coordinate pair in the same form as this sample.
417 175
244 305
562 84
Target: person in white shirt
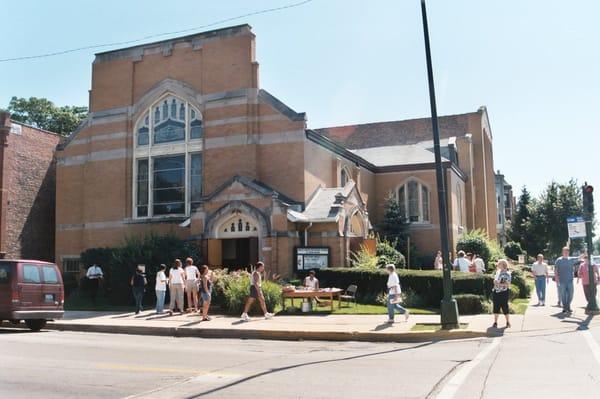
479 264
176 280
192 275
438 264
541 275
161 289
461 263
94 275
393 286
311 281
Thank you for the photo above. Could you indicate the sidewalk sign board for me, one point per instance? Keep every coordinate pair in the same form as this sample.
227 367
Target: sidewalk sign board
576 226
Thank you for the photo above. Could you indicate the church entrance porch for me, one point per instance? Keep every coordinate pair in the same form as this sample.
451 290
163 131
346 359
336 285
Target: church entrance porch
238 253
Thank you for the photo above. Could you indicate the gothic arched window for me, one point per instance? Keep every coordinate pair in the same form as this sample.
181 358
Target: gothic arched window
413 198
167 179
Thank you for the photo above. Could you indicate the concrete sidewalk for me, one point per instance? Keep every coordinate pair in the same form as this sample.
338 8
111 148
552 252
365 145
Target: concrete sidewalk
305 327
328 327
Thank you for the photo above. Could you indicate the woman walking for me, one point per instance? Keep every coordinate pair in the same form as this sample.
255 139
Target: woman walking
438 263
583 274
540 273
393 286
205 291
256 293
176 279
161 289
502 281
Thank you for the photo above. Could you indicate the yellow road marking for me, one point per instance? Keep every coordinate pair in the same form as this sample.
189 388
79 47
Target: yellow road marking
133 367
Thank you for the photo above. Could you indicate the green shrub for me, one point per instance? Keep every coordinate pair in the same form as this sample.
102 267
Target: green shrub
476 242
427 284
472 304
513 292
232 289
386 253
363 259
513 250
519 280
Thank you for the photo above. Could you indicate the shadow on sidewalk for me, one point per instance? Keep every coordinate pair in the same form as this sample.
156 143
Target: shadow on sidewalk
294 366
383 326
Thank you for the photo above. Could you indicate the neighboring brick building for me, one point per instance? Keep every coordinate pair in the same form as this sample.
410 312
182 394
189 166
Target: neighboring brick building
27 190
180 139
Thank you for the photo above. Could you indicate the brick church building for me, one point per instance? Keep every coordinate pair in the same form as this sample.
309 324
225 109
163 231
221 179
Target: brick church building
181 139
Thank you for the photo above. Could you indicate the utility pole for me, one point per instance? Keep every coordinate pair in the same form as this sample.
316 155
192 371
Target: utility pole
588 217
449 309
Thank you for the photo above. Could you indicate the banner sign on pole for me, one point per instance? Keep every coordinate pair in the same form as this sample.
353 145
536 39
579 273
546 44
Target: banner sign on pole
576 226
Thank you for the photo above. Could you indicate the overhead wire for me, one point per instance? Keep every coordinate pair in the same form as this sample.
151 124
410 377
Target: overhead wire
153 36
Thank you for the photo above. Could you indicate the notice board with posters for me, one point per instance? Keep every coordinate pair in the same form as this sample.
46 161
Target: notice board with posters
308 258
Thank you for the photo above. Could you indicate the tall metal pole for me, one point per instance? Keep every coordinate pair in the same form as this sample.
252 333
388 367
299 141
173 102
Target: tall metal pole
588 215
449 310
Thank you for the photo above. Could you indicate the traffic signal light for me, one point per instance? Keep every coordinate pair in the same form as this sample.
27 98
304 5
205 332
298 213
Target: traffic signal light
588 201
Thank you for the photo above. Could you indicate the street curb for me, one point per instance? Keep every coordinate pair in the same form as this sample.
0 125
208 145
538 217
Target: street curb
270 334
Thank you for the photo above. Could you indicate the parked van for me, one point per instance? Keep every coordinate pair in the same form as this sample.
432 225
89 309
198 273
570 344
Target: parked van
32 291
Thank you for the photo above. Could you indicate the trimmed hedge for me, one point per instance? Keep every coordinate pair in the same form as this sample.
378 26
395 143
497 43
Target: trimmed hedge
472 304
427 284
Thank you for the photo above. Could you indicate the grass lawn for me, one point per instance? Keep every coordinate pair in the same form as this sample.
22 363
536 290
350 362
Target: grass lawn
359 309
519 305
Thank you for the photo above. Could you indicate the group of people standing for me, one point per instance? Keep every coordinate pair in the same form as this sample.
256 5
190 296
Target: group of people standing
566 269
464 262
197 284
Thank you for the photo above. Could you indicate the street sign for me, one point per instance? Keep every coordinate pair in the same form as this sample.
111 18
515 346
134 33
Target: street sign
576 226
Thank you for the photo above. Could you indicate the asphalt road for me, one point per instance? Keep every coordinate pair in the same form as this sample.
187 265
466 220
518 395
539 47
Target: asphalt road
547 365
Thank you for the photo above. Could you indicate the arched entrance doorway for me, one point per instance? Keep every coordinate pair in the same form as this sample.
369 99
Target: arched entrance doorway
239 241
235 234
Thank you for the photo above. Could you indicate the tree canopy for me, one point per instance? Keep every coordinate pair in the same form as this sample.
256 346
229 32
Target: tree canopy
42 113
540 224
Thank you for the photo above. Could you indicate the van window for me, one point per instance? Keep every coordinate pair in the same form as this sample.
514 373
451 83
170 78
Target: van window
50 275
31 274
5 274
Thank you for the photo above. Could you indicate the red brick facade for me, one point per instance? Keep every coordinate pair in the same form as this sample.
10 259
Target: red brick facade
249 174
28 184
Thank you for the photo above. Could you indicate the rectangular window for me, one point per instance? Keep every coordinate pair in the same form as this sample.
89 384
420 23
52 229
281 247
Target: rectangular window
5 270
71 265
196 177
50 275
168 192
413 201
142 187
31 274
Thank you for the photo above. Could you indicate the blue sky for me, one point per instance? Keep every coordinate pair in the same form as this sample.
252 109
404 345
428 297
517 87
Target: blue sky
535 64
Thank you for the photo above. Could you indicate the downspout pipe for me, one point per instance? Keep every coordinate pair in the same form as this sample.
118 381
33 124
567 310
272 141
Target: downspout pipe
306 234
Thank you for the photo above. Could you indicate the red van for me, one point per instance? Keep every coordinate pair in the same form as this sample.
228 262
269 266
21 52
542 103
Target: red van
30 290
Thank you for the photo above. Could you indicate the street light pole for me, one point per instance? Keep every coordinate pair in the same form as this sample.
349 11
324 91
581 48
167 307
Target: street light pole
449 310
588 216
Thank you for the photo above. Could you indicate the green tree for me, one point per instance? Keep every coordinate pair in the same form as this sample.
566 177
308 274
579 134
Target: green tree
42 113
394 226
526 227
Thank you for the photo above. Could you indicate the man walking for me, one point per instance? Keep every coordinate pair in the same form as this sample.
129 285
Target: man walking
94 275
256 293
564 274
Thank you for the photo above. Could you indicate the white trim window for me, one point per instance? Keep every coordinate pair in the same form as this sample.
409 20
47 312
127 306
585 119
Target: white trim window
413 197
167 165
345 176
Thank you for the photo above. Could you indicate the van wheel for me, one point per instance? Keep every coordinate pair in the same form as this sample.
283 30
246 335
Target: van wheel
35 324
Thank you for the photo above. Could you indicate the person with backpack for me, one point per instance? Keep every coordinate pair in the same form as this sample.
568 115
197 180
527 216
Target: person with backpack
256 293
138 286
